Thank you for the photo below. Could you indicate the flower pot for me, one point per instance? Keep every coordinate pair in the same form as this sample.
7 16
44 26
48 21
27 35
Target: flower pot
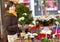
23 27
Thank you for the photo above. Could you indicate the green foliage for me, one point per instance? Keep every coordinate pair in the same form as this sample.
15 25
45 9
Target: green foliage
47 40
21 8
24 12
58 19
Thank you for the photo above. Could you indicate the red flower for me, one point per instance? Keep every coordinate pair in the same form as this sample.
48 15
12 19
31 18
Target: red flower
48 35
41 35
57 35
38 26
32 28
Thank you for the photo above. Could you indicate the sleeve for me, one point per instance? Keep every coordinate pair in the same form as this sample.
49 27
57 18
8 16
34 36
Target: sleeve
9 26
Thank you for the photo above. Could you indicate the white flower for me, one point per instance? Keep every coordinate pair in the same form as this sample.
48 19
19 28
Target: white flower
48 18
46 31
22 34
54 35
24 13
26 36
43 18
33 22
57 22
21 18
31 25
34 34
51 16
31 36
29 33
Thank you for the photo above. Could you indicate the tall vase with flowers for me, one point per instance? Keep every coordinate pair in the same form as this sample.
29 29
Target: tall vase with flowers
24 16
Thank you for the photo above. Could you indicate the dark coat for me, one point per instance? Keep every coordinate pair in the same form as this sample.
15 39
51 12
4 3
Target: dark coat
11 24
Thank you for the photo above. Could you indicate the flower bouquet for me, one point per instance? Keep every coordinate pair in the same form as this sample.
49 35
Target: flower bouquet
46 20
25 19
24 16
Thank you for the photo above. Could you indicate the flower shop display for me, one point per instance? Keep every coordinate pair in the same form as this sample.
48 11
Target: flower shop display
41 32
46 30
33 29
46 20
30 35
24 16
56 29
25 19
44 35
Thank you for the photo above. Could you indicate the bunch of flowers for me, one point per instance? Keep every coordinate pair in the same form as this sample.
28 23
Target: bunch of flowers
34 28
24 14
30 35
25 19
46 20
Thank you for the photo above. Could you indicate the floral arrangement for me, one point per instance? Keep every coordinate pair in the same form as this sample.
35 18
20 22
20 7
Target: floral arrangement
45 35
24 14
46 20
29 35
25 19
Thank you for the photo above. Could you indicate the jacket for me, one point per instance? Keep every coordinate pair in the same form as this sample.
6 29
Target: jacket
11 24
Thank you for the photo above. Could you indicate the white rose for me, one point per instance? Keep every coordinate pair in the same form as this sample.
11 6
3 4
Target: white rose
26 36
22 18
43 18
54 35
48 18
51 16
46 30
31 25
33 22
29 33
57 22
19 19
24 13
42 31
22 34
34 34
31 36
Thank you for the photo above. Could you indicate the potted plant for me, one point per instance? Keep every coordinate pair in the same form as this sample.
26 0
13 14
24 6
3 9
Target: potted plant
46 20
24 16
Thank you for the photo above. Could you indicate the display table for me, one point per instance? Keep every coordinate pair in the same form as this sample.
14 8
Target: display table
44 34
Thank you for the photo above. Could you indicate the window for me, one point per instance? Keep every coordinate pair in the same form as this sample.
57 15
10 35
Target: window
44 6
